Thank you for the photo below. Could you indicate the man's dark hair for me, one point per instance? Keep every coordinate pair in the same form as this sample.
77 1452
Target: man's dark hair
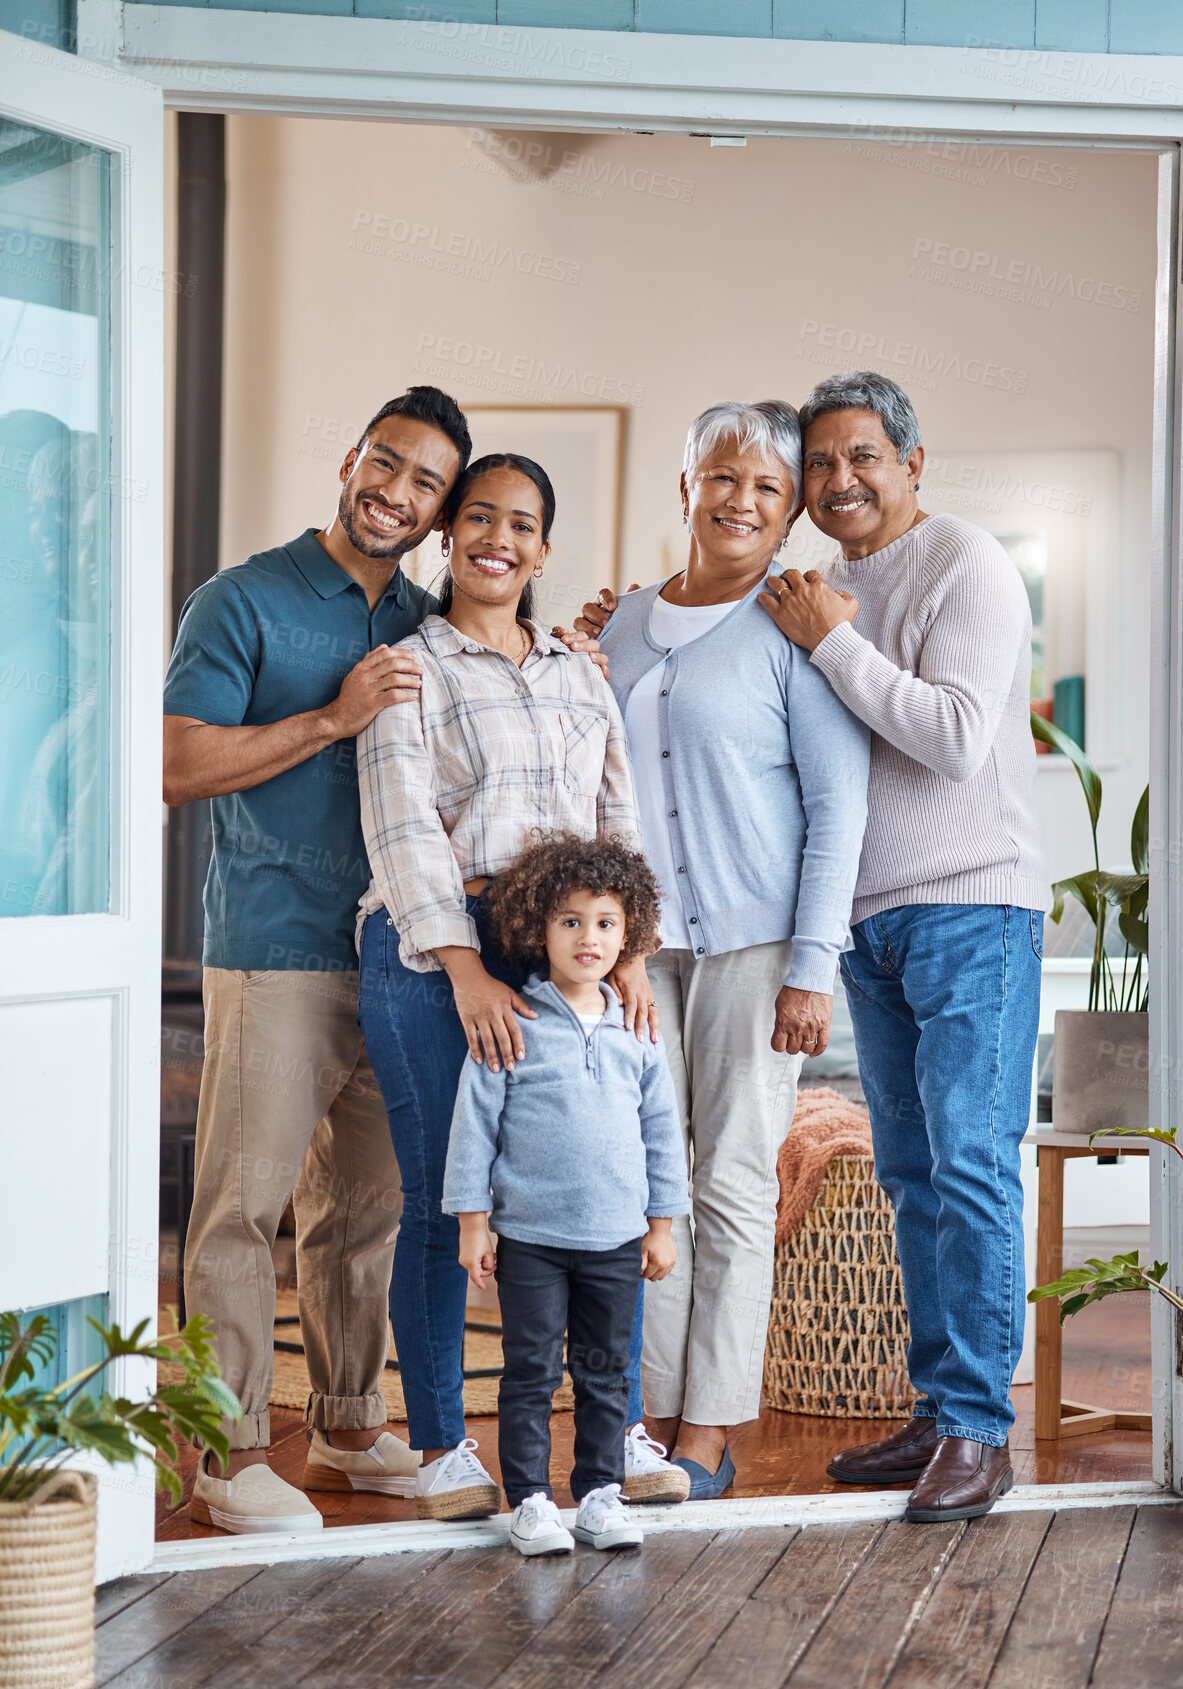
437 409
867 390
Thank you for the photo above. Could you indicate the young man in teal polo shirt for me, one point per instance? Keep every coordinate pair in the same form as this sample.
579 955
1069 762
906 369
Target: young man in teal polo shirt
279 664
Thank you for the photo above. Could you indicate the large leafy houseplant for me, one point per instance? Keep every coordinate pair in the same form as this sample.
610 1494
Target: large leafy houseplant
42 1427
1102 894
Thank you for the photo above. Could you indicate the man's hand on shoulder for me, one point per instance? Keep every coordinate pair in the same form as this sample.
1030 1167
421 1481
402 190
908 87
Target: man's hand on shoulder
595 617
805 607
384 676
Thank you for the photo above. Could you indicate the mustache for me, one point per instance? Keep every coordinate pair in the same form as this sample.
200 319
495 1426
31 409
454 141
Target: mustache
841 498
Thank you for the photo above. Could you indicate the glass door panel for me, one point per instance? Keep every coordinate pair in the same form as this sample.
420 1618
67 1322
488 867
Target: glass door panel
55 485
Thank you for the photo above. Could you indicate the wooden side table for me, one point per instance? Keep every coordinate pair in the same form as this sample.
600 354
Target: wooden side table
1054 1417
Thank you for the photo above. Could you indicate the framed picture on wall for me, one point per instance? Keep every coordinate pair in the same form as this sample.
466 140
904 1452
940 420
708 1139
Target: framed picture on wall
1055 514
581 448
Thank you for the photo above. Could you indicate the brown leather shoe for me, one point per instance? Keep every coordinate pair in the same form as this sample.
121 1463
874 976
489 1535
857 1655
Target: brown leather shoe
963 1480
898 1459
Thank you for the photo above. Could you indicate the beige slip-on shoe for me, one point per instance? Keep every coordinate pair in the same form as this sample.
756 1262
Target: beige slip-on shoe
388 1467
255 1499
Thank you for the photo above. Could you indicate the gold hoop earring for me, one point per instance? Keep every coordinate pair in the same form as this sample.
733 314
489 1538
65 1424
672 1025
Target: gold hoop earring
538 571
445 549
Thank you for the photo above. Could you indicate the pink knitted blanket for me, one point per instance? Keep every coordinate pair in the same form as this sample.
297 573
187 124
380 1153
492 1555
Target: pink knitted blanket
825 1125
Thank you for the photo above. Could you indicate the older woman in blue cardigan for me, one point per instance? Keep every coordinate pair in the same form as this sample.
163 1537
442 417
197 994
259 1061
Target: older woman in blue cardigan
751 777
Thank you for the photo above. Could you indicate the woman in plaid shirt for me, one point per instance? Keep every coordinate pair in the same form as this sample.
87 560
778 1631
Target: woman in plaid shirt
513 733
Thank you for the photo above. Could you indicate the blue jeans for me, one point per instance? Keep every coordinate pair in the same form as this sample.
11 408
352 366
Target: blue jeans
417 1049
944 999
636 1407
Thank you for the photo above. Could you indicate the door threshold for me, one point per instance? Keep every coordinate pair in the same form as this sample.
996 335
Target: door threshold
345 1542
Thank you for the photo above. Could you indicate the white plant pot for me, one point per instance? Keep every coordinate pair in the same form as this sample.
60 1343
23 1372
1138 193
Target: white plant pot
1101 1070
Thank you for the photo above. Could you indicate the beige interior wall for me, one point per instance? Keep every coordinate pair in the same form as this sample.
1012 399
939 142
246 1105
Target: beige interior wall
662 273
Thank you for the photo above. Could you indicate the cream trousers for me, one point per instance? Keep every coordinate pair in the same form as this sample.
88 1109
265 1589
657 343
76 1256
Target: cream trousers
706 1324
290 1108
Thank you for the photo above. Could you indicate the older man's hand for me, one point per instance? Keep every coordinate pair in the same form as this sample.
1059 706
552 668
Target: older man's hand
802 1021
805 608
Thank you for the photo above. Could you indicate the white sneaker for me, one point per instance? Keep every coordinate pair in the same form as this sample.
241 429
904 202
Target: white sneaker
648 1475
456 1486
537 1529
603 1520
255 1499
388 1467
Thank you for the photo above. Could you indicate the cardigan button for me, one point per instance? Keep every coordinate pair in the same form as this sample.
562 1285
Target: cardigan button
694 920
665 691
673 812
681 870
665 753
700 951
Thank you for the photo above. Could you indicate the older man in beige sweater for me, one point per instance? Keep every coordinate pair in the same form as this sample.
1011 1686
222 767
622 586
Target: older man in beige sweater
921 625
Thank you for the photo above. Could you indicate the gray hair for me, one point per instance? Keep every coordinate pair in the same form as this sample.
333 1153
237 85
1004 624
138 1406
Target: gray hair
771 424
867 390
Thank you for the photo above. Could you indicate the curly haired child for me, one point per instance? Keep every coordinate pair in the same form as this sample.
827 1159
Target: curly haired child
575 1159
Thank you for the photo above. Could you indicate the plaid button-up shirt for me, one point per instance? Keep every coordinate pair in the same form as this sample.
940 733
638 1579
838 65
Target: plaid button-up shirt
451 791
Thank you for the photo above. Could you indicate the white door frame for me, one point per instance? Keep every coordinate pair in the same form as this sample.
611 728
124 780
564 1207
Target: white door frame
464 73
55 960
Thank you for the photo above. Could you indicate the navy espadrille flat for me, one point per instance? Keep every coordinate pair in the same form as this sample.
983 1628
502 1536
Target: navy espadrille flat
704 1485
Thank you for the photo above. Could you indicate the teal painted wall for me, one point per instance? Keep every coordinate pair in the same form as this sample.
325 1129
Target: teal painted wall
48 21
1078 26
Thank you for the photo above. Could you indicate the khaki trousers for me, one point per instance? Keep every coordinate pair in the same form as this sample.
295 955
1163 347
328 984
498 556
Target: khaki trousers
290 1108
706 1324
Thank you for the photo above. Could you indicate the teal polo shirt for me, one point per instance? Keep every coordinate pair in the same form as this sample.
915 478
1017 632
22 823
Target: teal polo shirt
271 638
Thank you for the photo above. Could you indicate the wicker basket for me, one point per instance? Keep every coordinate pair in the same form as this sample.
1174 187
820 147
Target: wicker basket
47 1586
838 1331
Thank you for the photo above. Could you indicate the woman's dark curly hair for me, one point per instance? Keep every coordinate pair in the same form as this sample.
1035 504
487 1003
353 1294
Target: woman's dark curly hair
530 892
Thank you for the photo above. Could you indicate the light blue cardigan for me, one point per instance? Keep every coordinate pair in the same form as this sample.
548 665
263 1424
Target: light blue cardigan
765 783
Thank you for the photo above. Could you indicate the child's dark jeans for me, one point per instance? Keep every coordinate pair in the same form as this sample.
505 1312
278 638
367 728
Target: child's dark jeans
592 1295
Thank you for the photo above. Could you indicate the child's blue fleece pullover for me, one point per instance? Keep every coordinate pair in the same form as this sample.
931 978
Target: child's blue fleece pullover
580 1144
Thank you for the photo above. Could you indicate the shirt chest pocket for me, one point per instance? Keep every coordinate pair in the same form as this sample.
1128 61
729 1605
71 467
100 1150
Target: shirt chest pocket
584 734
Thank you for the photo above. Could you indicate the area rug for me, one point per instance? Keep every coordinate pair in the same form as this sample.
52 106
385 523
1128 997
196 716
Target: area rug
482 1353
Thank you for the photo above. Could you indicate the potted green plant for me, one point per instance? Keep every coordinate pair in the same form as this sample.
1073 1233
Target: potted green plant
1101 1058
47 1507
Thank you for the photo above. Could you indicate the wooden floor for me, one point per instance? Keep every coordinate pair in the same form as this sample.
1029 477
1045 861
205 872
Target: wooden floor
1106 1361
1035 1600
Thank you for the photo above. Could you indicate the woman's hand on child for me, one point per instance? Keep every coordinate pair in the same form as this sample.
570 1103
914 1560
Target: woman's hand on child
630 981
659 1254
488 1010
478 1252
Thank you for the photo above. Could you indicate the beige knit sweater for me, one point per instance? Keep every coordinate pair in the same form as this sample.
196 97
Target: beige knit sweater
938 664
